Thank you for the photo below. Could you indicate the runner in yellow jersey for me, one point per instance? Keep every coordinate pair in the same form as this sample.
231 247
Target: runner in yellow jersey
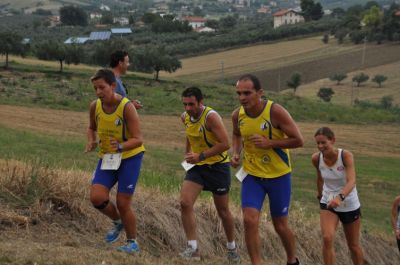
207 165
265 131
115 122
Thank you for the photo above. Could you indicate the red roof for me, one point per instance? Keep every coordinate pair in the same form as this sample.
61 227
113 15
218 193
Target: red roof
283 12
280 13
195 19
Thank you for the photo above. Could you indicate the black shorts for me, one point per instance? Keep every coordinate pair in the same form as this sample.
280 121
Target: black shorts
398 243
344 217
215 178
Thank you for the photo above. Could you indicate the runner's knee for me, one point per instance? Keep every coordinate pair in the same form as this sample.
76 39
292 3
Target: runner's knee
186 204
101 205
250 220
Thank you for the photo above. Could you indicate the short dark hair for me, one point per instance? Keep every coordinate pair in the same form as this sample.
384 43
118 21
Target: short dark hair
117 57
325 131
193 91
253 79
105 74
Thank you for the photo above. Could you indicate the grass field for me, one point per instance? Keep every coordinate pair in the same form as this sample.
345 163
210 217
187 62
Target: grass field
38 132
57 138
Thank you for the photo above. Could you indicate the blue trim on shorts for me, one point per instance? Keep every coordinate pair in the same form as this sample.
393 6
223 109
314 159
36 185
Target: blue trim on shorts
254 190
127 175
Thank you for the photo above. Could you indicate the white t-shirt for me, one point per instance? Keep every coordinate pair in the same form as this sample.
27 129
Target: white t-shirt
334 180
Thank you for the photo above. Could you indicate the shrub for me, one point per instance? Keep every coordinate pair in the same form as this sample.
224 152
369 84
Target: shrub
325 38
325 93
387 102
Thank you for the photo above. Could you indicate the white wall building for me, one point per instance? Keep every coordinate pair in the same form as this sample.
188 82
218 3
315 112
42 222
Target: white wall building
286 17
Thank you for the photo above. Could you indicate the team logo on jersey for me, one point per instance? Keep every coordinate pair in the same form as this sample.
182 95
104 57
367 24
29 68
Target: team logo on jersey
264 126
118 122
266 159
340 168
201 130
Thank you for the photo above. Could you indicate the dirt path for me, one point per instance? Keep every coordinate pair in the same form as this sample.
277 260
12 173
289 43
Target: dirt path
167 131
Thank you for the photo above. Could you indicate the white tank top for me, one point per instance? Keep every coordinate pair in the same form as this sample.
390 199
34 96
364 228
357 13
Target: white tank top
398 217
334 180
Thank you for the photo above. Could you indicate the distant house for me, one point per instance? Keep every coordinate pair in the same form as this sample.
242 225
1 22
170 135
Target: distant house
195 22
95 15
104 7
54 21
76 40
286 17
121 31
99 35
26 41
204 29
121 20
264 10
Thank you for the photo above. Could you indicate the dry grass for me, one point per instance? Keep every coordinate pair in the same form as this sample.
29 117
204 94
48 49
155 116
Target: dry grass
72 233
168 131
256 58
367 91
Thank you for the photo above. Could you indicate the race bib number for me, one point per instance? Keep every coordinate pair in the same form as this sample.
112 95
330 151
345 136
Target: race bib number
111 161
187 166
241 174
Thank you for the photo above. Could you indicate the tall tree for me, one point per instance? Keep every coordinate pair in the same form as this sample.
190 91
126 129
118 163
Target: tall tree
11 43
311 10
360 78
51 50
379 79
73 15
391 23
153 59
338 78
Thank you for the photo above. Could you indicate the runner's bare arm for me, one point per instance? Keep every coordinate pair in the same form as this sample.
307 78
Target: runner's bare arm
91 130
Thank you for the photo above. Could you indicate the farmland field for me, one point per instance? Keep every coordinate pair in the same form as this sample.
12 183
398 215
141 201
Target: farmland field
274 63
367 91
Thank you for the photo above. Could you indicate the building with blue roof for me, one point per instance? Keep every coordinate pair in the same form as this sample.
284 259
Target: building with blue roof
76 40
100 35
121 31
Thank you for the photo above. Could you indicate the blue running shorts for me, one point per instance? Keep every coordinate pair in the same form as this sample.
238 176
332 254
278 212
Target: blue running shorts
126 175
278 189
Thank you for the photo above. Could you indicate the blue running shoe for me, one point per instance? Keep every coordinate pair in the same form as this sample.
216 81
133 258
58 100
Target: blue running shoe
130 247
113 234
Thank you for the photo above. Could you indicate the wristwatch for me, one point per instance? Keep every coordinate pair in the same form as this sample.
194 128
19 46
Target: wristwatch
202 156
342 197
119 148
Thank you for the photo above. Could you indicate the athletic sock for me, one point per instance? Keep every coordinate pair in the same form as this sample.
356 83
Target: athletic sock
117 222
231 245
192 244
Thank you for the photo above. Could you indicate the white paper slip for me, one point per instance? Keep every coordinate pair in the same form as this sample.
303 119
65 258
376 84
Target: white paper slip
111 161
187 166
241 174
